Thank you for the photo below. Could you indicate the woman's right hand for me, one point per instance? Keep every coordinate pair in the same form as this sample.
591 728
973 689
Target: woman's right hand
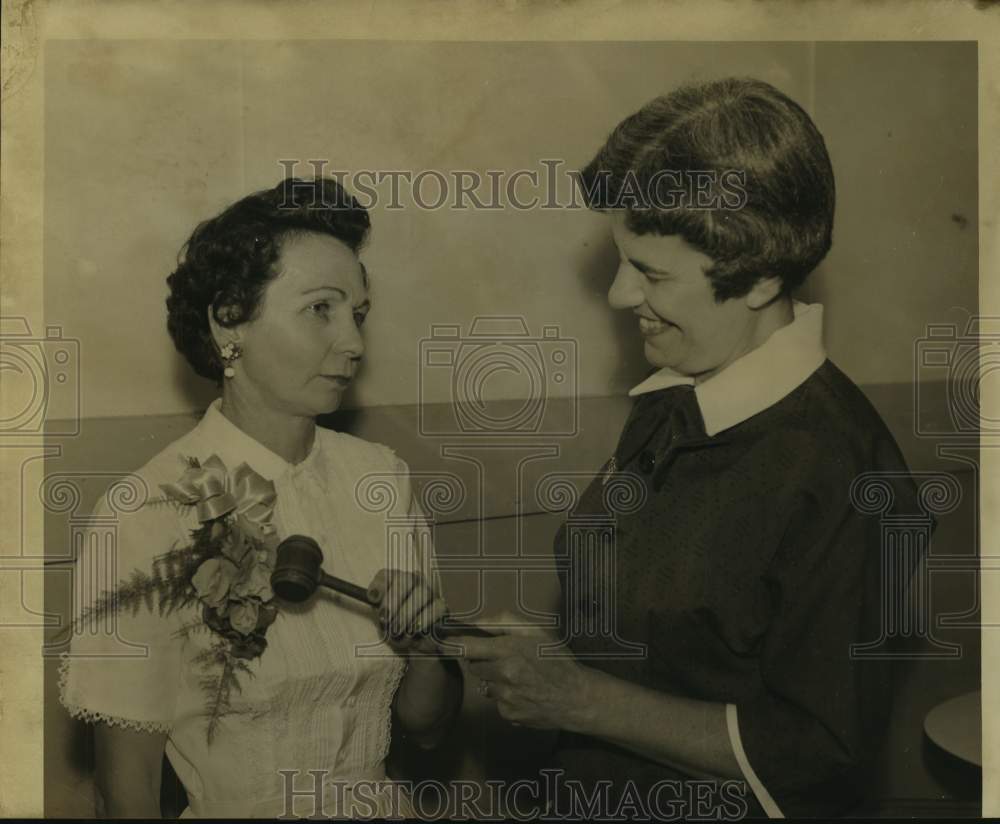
407 608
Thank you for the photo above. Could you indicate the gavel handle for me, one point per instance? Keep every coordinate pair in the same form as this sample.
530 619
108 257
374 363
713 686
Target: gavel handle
347 588
461 628
361 594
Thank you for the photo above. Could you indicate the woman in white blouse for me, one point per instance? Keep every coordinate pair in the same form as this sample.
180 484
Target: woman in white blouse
268 300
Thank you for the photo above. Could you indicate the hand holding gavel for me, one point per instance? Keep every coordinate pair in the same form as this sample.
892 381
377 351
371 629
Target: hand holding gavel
298 573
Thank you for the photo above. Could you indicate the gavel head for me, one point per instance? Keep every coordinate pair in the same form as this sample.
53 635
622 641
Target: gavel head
297 569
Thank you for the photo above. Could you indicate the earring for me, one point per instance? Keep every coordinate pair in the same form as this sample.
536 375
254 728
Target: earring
230 354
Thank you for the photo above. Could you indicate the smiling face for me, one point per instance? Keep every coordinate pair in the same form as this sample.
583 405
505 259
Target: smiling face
662 279
302 350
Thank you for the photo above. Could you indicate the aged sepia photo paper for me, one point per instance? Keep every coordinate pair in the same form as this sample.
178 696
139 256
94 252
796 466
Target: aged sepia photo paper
499 409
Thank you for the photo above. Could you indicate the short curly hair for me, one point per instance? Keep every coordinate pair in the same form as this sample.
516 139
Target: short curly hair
228 261
781 226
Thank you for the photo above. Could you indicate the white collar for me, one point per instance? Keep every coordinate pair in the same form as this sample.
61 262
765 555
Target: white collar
234 446
758 379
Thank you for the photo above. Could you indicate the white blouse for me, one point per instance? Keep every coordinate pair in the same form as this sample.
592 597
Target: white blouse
320 695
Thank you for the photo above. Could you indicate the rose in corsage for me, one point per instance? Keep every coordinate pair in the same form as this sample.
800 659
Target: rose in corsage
213 580
243 645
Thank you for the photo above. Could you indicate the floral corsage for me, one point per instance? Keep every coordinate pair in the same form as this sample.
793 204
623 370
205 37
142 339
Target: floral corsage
226 568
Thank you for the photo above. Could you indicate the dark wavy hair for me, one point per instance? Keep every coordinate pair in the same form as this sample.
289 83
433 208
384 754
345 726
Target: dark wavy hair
229 260
783 225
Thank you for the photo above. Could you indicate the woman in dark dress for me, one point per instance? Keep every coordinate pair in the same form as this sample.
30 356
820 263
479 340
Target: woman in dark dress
744 572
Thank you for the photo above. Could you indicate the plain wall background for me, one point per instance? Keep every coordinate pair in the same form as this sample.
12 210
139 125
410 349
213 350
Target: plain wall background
145 139
900 123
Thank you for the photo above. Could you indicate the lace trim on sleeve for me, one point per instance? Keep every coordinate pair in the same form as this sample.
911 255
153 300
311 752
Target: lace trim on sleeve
392 686
91 716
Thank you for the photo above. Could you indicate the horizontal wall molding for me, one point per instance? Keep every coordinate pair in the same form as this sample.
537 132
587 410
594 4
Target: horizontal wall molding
573 436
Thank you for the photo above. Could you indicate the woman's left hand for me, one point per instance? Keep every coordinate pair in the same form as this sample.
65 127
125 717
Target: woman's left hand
553 692
408 607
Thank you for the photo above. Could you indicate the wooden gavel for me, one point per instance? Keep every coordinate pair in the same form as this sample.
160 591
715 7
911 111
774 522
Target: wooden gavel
298 573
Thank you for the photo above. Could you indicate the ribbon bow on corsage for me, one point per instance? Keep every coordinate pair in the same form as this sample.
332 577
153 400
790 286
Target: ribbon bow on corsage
215 492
